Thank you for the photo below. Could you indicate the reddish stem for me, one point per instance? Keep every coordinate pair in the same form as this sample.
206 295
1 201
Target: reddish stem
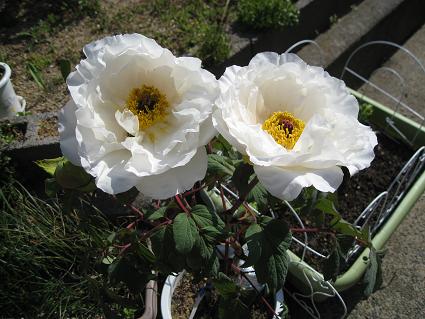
151 231
180 203
194 190
238 271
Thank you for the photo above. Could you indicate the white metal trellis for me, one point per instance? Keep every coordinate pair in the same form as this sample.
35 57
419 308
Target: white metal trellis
383 204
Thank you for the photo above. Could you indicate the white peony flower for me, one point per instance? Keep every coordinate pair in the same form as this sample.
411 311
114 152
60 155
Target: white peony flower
297 124
139 117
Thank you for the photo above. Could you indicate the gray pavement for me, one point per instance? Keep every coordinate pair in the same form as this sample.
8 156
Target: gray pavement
414 78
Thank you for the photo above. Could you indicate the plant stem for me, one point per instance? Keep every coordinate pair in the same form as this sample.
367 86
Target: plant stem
153 230
180 203
242 197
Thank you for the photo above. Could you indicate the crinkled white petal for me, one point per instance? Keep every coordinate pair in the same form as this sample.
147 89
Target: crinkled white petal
287 183
68 141
111 175
332 136
176 180
128 121
104 137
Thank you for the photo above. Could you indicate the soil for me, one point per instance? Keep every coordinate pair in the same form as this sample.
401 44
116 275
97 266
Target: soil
356 192
48 128
40 34
184 299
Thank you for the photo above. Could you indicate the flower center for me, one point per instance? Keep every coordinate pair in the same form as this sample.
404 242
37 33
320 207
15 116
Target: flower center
148 104
285 128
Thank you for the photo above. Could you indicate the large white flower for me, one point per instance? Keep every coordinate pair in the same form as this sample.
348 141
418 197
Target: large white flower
297 124
139 116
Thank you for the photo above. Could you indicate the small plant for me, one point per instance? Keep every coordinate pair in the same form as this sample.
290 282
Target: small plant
52 262
215 45
35 74
267 14
365 112
333 19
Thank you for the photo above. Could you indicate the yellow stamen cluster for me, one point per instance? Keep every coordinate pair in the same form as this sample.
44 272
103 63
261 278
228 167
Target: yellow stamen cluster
285 128
149 104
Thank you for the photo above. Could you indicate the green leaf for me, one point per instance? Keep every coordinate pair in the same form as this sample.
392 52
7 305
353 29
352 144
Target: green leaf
204 217
164 248
220 166
225 286
241 177
208 200
232 308
144 252
185 233
126 270
51 187
272 243
373 276
36 75
71 177
49 165
65 67
258 195
212 234
327 206
346 228
345 243
254 241
160 213
331 265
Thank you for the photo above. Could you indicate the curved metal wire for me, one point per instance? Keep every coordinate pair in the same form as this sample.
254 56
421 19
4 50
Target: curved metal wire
317 277
398 101
303 42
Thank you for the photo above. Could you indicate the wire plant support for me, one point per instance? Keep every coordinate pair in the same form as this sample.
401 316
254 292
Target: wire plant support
382 206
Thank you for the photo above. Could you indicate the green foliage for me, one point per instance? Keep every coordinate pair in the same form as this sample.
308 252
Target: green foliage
241 176
373 276
7 133
268 242
231 304
66 176
214 45
365 112
35 74
65 68
220 166
185 233
196 28
267 14
331 265
47 258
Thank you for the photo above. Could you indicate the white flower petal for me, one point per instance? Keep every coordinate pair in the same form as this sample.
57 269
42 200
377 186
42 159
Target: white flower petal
68 140
287 183
128 121
332 136
108 142
111 175
176 180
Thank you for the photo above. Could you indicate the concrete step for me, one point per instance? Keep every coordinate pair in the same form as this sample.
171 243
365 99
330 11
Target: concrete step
314 19
413 94
391 20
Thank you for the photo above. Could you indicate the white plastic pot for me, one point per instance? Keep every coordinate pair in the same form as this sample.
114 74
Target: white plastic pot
10 103
173 281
